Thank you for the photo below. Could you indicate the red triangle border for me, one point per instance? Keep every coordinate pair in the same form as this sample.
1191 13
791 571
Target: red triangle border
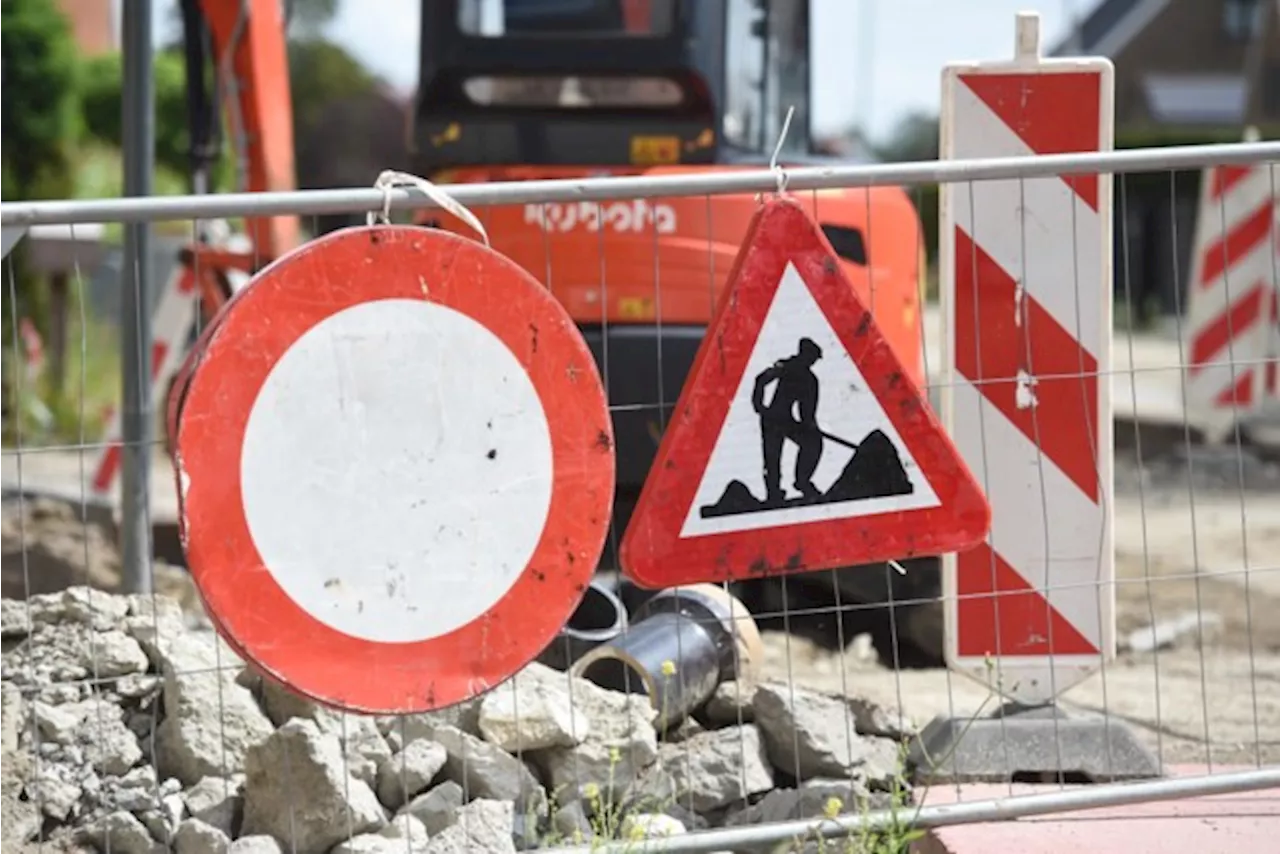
652 552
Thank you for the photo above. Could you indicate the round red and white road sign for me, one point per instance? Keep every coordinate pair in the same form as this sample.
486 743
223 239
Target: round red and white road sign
396 466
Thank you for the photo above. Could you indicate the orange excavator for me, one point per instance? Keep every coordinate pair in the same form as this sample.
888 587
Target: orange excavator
512 90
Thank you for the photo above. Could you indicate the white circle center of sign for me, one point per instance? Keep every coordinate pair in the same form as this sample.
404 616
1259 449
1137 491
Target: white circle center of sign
396 470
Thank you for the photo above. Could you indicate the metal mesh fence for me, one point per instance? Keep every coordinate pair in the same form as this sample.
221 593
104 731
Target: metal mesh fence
130 726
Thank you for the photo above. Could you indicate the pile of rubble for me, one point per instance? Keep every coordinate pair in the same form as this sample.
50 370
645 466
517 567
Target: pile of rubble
126 730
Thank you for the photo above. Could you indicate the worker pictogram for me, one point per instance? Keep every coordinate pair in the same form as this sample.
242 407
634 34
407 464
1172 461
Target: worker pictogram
798 442
1026 291
395 464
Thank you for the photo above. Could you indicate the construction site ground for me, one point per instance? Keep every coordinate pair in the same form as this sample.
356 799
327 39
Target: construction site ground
1190 538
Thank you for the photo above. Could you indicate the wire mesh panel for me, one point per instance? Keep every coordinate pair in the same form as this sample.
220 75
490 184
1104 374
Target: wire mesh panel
758 714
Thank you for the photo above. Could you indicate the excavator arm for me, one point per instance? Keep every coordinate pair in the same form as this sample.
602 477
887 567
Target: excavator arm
246 45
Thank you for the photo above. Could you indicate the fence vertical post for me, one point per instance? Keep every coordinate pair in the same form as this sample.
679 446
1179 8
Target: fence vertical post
138 130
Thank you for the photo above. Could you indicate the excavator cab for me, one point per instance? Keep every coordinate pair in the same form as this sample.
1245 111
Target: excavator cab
609 83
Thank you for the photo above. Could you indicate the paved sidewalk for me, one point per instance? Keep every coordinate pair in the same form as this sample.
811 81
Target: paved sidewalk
1246 822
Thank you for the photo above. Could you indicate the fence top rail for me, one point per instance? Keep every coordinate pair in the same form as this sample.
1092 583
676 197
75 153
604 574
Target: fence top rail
710 182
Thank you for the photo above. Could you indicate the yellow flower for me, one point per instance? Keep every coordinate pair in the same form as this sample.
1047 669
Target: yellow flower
668 668
637 832
615 756
591 791
832 808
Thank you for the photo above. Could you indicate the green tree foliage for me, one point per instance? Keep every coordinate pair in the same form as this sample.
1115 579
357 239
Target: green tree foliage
102 95
306 18
40 106
41 109
321 72
915 138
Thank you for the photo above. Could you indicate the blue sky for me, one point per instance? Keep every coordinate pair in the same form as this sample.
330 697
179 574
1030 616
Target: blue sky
908 42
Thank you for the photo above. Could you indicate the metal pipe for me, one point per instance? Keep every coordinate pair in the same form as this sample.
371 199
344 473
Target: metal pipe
943 815
600 617
681 644
359 200
138 130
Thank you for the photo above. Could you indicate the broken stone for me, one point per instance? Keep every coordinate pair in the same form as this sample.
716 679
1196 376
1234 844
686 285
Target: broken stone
282 704
709 771
690 819
12 713
438 808
363 745
870 718
620 744
59 724
409 772
730 705
112 654
406 827
13 619
138 685
686 729
162 822
95 609
296 789
257 844
571 825
487 771
639 826
210 721
121 833
215 801
154 620
55 791
483 826
531 711
196 837
399 730
136 791
158 823
97 727
404 834
525 831
808 734
109 745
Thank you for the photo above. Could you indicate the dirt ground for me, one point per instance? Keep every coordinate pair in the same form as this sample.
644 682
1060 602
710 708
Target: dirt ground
1188 536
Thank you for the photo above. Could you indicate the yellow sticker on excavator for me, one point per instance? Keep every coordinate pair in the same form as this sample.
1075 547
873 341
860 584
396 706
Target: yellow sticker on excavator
635 308
655 150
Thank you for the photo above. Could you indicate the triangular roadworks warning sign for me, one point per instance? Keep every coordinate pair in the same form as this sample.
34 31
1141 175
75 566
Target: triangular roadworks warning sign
799 442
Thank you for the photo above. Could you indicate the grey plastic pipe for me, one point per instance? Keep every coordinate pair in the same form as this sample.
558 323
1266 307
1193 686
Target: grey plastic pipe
599 617
681 644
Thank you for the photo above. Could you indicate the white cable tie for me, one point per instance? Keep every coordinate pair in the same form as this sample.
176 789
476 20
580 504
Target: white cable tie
391 179
777 150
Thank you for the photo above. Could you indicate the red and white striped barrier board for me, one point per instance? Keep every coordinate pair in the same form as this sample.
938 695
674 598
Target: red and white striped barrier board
32 348
1026 295
171 325
1232 298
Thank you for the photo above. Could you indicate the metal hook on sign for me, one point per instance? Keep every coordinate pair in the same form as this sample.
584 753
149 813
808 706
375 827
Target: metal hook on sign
390 179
